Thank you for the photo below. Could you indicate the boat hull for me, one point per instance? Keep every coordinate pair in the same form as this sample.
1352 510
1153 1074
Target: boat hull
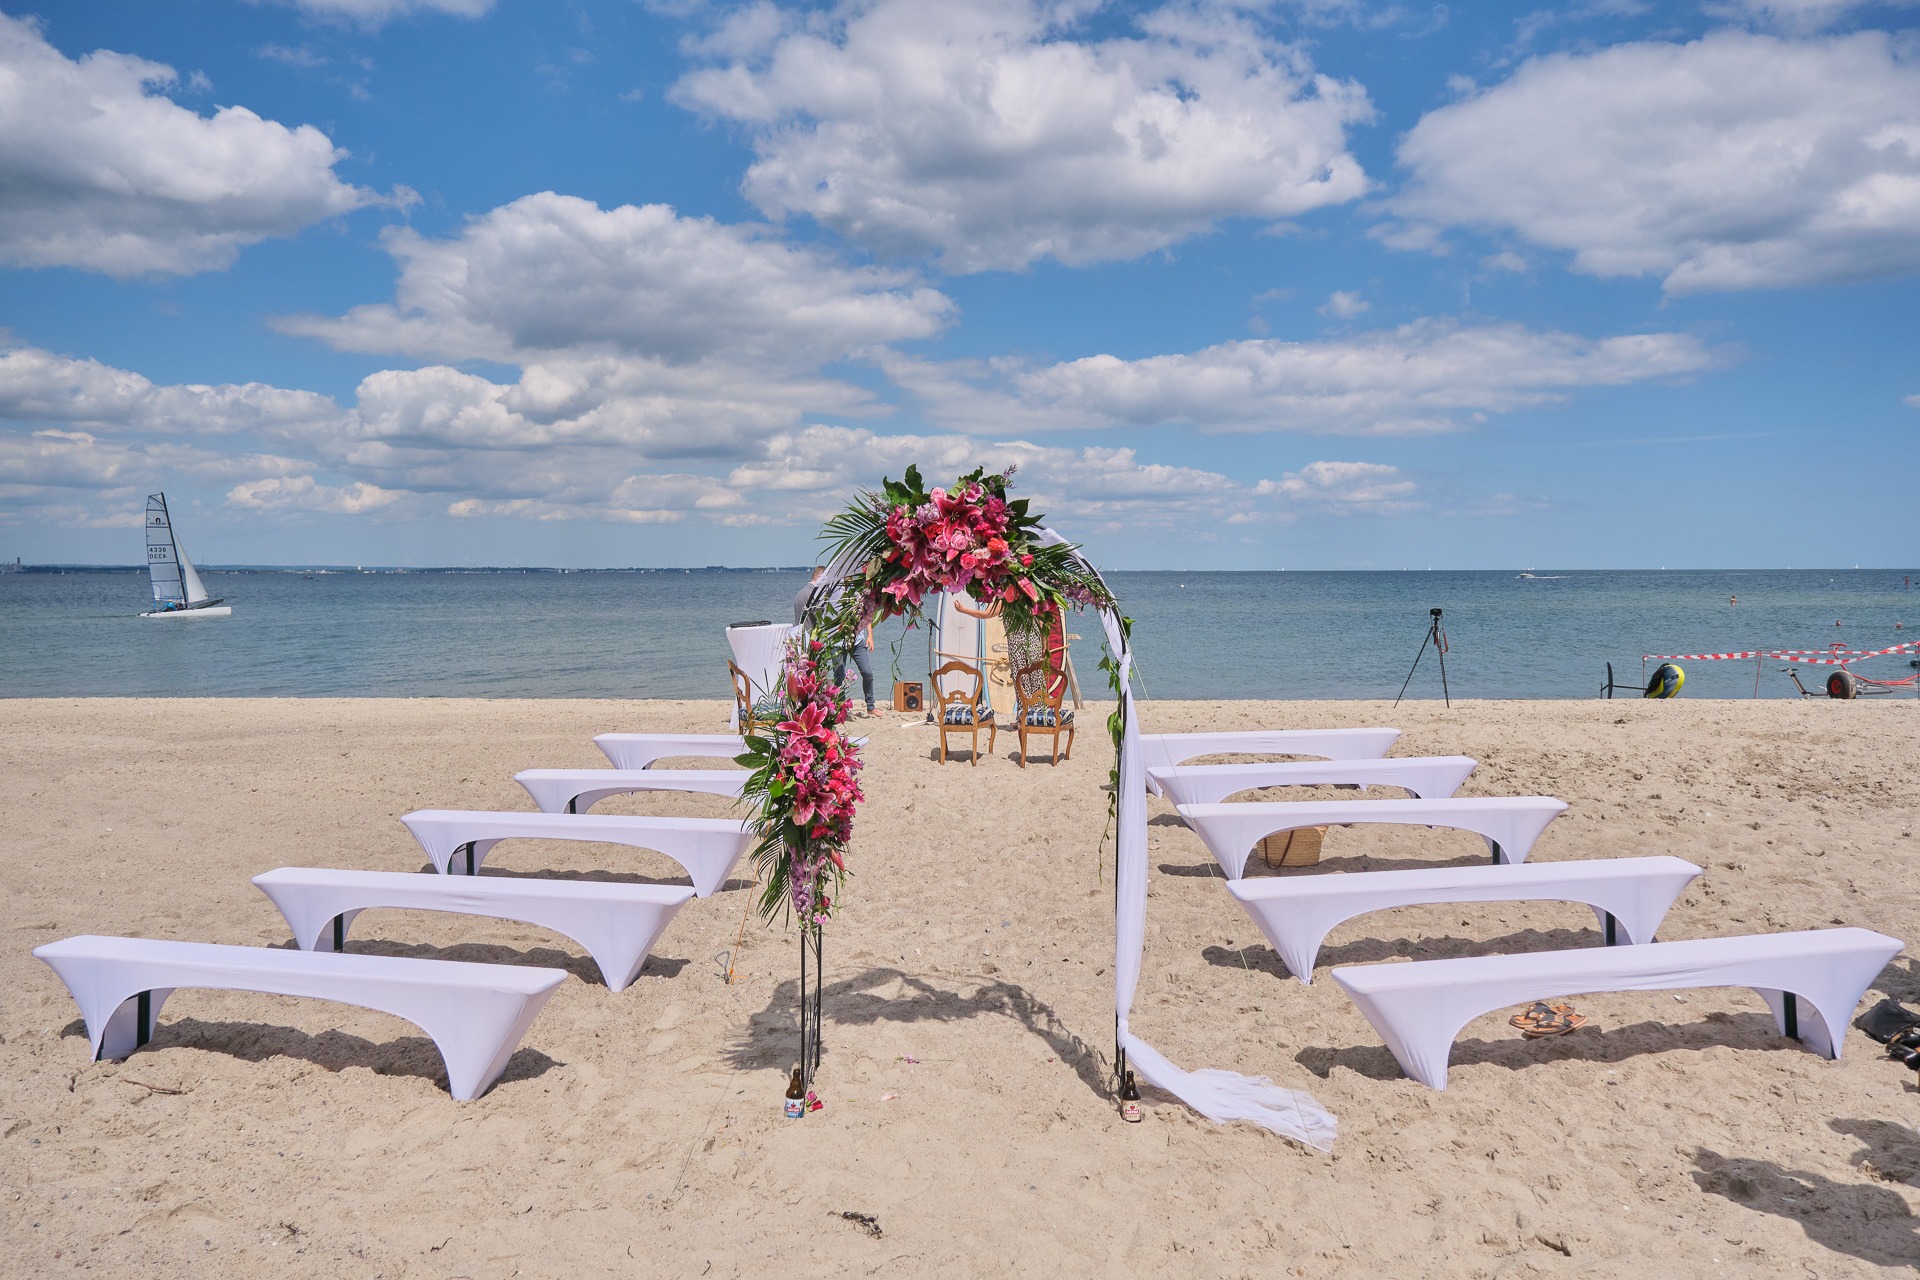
215 611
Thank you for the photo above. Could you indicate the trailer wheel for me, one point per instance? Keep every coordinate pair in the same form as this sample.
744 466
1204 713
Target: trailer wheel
1841 684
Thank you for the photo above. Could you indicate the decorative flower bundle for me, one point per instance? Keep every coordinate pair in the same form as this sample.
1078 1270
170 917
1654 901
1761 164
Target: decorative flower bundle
806 781
913 542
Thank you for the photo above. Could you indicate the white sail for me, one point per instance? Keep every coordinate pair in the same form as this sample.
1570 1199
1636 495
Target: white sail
163 562
196 590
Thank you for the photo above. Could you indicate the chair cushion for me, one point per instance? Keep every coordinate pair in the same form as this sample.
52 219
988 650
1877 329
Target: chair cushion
968 715
1043 717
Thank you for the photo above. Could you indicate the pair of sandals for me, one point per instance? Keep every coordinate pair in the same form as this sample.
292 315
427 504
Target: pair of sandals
1545 1018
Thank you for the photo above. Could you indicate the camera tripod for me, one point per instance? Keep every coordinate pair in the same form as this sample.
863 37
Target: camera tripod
1437 637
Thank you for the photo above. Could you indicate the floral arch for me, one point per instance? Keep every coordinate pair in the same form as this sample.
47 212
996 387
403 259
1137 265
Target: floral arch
889 550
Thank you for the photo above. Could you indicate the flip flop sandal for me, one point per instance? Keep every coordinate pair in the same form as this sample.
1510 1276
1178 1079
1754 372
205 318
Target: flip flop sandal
1559 1027
1540 1011
1532 1016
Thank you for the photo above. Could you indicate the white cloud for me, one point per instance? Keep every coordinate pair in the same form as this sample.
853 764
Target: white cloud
376 13
985 133
58 459
1419 378
1736 161
1345 305
97 170
1350 486
1505 260
38 386
1914 401
550 273
303 493
436 439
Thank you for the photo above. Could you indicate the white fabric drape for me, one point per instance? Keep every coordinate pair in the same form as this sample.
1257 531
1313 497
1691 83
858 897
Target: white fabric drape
1218 1095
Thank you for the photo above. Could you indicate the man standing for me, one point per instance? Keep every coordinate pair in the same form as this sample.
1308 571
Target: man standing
863 659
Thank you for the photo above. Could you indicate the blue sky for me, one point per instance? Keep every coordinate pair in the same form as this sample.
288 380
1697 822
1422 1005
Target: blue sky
1300 284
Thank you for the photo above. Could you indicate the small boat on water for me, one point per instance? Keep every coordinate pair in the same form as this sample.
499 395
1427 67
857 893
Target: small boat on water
177 589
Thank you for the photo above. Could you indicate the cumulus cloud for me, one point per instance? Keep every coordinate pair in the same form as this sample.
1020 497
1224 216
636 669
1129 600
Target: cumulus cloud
1913 401
1424 377
59 459
1352 486
1736 161
303 493
1092 488
99 170
987 134
39 386
550 273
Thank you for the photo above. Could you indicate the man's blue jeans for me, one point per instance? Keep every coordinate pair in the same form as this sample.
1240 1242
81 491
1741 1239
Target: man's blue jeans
863 659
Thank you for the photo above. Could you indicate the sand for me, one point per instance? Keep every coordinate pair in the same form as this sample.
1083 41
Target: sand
970 1020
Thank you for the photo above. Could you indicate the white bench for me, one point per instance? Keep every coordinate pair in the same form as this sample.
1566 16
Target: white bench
640 750
617 923
1418 1008
1165 750
706 847
578 790
474 1013
1427 777
1629 895
1509 824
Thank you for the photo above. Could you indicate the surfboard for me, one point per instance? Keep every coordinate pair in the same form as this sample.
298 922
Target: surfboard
993 638
956 636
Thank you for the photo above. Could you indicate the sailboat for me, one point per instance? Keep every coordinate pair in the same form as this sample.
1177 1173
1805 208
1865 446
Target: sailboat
177 589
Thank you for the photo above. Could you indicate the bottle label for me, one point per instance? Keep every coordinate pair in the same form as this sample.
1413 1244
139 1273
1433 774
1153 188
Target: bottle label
796 1107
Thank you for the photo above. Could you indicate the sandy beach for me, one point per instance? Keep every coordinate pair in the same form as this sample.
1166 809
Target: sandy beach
969 1009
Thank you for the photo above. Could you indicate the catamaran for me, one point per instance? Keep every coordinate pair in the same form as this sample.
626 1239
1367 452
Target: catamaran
177 589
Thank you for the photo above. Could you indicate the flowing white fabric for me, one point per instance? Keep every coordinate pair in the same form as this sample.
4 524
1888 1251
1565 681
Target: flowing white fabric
706 847
1419 1008
474 1013
1218 1095
1296 913
1509 824
640 750
553 790
617 923
1427 777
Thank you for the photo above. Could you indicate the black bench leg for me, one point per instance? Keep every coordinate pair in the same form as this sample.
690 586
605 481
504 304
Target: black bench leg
1613 930
467 848
1790 1014
1495 855
571 803
340 933
142 1019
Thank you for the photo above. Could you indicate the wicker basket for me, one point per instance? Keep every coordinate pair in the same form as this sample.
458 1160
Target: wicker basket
1292 848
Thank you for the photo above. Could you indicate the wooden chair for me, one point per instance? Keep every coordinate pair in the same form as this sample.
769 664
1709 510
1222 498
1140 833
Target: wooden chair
1041 688
963 706
754 710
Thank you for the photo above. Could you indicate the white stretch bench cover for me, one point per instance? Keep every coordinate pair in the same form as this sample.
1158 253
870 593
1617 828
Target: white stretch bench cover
1297 912
1509 824
1418 1008
1164 750
706 847
616 923
474 1013
1428 777
640 750
578 790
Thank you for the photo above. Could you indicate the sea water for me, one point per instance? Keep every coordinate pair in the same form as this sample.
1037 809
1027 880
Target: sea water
659 634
